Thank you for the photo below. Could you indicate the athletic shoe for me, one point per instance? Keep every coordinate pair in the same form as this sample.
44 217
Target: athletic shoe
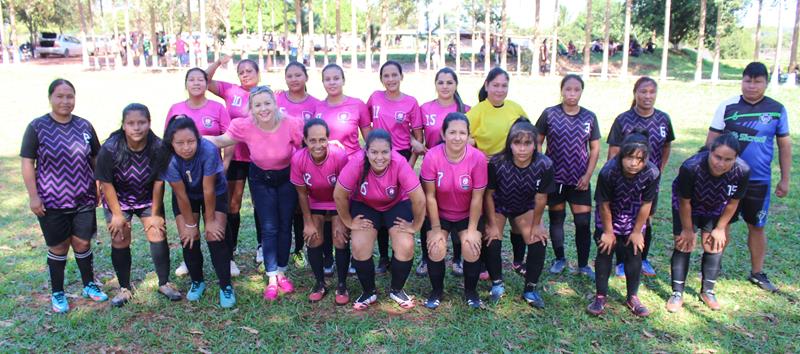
762 281
227 298
170 291
196 290
619 270
598 305
382 267
123 296
558 266
299 259
342 295
484 275
235 251
182 270
433 301
271 292
363 301
234 269
458 268
587 271
285 286
402 299
317 293
259 255
422 268
519 268
328 271
351 270
59 302
636 306
710 299
533 298
647 269
93 292
675 302
497 292
473 301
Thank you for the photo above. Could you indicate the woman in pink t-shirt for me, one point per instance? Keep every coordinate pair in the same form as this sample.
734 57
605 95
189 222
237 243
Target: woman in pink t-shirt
454 177
236 97
315 170
346 116
380 189
272 140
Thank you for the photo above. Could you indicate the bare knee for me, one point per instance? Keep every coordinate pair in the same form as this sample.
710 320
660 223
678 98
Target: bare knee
402 245
80 245
437 247
362 244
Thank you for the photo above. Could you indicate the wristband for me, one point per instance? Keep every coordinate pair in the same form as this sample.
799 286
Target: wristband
436 227
190 226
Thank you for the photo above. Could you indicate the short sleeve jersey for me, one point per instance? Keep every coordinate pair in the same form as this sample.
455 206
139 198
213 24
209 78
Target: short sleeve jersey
132 179
454 180
236 99
379 191
433 115
658 127
63 154
515 188
344 121
205 162
625 195
398 117
318 178
211 120
269 150
489 124
303 110
709 195
568 138
756 126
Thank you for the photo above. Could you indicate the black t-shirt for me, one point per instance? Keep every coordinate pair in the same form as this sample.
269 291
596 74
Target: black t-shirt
625 195
132 179
515 188
709 195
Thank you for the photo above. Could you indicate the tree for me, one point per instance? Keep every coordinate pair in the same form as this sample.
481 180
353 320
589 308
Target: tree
535 40
606 25
298 28
286 46
84 49
793 50
685 14
587 54
260 36
339 32
128 52
554 43
758 31
311 61
627 39
503 40
325 31
717 37
776 65
487 42
667 33
698 71
353 36
3 37
384 31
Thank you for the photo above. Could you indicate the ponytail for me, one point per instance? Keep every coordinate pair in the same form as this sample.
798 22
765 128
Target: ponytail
494 73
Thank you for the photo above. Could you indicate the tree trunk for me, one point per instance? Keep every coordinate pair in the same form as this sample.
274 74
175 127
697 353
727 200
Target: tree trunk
353 36
260 35
416 53
298 29
91 32
472 45
487 38
339 30
587 53
189 29
428 50
440 55
153 36
606 28
758 31
384 31
3 51
84 50
503 40
127 34
776 65
795 33
701 37
271 59
201 8
311 60
458 37
665 48
717 37
325 31
554 44
368 46
535 70
626 40
286 46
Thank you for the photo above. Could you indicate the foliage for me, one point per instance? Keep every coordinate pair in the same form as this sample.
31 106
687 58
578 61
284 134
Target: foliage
684 18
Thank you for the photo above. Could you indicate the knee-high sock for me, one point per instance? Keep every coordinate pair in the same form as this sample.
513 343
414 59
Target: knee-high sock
648 239
557 231
56 264
383 243
711 266
602 268
423 240
583 240
633 270
232 231
680 268
298 226
366 274
315 260
159 252
400 271
121 260
535 262
456 247
220 257
472 271
436 275
85 262
327 244
492 259
342 264
193 257
518 248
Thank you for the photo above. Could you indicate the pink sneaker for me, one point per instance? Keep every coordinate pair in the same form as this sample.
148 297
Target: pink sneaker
285 285
484 275
271 292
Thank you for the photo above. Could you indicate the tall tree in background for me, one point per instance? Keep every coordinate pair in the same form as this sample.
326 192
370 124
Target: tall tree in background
458 37
536 32
339 32
286 47
384 31
189 44
91 33
311 60
665 49
701 37
127 36
776 65
487 39
606 30
353 36
368 46
554 43
587 53
440 55
153 34
503 40
4 41
717 37
84 49
626 40
793 50
325 31
758 31
260 35
298 29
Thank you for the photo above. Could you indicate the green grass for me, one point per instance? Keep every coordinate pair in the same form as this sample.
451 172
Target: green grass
751 320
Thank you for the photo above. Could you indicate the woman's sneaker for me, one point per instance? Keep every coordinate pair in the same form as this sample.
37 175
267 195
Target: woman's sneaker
598 305
234 269
519 268
196 290
710 299
342 295
473 300
285 286
402 299
619 270
182 270
587 271
123 296
433 301
93 292
647 269
533 298
558 266
363 301
59 302
227 297
170 291
259 255
497 292
271 292
675 302
317 293
636 306
299 259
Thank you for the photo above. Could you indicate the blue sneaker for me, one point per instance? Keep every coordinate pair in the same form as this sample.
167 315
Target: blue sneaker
533 298
620 270
558 266
59 302
93 292
227 298
647 269
497 292
587 271
433 301
473 301
196 290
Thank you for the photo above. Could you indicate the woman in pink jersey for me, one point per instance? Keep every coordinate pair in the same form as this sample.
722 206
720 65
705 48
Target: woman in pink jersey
236 97
433 113
271 139
314 172
379 189
346 116
454 177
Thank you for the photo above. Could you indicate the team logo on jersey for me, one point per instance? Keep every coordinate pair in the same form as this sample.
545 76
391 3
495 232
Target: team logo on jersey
765 118
391 191
87 138
307 115
399 117
465 181
343 116
332 180
208 122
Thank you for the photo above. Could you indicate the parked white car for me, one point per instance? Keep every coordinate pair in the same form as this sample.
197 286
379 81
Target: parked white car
57 44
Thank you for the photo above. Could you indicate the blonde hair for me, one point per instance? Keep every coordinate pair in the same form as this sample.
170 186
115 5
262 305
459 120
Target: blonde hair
264 89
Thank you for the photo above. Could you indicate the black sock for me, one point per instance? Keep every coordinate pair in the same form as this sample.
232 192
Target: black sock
56 264
232 231
193 257
492 259
366 274
633 270
259 232
602 268
557 231
680 267
342 263
85 265
648 238
220 257
400 271
315 261
456 247
711 267
518 248
472 271
327 244
436 275
619 252
583 241
159 252
423 240
535 262
383 243
298 226
121 260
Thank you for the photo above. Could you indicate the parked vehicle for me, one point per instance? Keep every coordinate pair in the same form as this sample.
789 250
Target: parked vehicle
57 44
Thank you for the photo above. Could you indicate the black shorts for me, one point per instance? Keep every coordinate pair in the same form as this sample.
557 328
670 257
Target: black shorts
238 170
382 218
323 212
705 223
405 153
198 205
454 227
565 193
60 224
511 215
141 213
621 239
754 207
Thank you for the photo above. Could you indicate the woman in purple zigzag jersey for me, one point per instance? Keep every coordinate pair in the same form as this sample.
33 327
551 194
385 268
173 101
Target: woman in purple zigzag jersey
58 156
127 172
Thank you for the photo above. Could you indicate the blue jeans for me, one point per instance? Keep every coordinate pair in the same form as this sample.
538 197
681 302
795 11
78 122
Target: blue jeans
275 198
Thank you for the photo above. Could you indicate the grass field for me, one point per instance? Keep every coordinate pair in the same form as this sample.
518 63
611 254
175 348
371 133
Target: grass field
751 320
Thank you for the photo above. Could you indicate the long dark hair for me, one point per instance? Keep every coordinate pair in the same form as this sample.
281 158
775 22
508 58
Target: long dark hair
642 80
572 77
726 139
494 73
521 127
118 142
176 123
247 61
333 66
459 103
301 67
636 141
375 134
315 121
57 83
387 63
452 117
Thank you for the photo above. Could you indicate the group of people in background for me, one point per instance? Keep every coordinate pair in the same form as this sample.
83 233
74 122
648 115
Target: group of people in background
481 167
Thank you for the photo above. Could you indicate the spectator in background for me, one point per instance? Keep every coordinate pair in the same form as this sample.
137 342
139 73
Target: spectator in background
571 50
182 50
543 55
650 47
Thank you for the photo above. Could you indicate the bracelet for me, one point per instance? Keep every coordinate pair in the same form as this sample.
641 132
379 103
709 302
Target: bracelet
190 226
436 226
